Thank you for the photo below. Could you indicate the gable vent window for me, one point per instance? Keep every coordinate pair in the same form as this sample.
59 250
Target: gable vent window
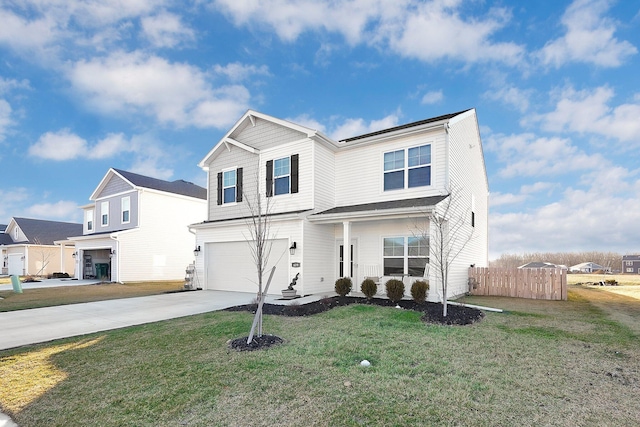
230 186
282 176
407 168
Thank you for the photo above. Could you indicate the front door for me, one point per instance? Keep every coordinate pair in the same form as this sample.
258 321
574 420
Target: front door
352 265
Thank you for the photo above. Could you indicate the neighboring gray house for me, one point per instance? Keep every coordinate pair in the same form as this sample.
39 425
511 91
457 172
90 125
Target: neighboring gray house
539 264
349 208
631 264
588 267
37 247
136 228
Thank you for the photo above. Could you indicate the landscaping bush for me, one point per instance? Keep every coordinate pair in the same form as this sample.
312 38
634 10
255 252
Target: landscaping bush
343 286
368 288
419 290
59 275
395 289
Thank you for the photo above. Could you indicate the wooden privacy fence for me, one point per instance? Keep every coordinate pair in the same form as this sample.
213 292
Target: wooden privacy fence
539 283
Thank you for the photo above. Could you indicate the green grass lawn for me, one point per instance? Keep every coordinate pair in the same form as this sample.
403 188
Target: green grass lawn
47 297
541 363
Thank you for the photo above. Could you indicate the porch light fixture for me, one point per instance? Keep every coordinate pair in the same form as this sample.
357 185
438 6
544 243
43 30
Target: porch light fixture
75 254
111 253
196 251
292 249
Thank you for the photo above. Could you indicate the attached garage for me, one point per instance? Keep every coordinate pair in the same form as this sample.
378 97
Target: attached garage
229 266
16 264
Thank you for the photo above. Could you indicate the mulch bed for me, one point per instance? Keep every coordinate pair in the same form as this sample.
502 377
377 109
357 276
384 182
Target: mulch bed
432 313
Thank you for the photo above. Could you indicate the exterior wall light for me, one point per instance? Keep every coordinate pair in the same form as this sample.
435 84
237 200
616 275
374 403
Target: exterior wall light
196 251
292 249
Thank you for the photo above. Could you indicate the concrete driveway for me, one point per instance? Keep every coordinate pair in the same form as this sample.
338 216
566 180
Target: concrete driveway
38 325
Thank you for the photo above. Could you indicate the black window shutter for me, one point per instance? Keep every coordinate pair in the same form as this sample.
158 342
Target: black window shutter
269 178
219 188
239 185
294 173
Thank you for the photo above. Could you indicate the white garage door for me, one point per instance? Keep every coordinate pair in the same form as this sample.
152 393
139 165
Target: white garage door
16 265
230 267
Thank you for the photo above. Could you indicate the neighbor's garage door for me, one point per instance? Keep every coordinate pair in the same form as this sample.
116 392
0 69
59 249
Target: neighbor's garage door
15 265
230 267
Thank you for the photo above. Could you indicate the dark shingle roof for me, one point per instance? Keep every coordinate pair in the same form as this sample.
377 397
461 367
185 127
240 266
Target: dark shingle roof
406 126
394 204
3 227
44 232
177 187
5 239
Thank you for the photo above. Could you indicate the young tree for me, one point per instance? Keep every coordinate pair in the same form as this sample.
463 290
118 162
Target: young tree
259 226
448 231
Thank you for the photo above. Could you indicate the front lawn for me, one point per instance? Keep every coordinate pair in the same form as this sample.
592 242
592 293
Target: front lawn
542 363
47 297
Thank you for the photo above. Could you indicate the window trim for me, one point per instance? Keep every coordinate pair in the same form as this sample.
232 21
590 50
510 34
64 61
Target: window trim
89 219
406 168
104 214
406 256
293 175
234 186
127 211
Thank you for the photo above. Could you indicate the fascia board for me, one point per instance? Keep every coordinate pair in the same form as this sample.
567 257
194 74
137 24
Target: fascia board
375 139
104 180
371 215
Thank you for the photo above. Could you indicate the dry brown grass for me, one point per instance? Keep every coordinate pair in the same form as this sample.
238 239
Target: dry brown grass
47 297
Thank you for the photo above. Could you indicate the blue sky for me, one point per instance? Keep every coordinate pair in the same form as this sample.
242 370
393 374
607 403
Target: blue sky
149 86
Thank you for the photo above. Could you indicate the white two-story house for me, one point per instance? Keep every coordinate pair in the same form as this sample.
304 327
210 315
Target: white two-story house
136 229
372 193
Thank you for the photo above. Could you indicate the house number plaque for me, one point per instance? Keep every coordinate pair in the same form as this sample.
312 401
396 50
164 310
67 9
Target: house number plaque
295 264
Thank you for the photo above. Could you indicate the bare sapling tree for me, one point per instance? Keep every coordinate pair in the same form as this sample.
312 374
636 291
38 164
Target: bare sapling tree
45 255
259 240
448 232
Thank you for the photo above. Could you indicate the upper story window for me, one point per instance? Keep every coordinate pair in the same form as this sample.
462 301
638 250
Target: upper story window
104 213
126 210
407 168
282 176
89 219
230 186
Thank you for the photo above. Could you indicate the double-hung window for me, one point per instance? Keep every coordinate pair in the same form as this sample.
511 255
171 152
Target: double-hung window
282 176
89 219
405 256
407 168
230 186
104 213
126 209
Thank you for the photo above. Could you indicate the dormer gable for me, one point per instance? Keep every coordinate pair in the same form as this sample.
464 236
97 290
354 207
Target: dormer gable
257 131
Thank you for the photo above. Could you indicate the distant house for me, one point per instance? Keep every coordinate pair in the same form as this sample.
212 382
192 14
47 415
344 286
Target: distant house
588 267
631 264
538 264
135 228
37 247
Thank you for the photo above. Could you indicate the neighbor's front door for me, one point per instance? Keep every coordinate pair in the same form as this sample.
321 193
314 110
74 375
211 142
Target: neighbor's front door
352 265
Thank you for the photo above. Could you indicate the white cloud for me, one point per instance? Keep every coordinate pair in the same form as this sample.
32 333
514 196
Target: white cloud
166 30
427 31
238 72
7 85
432 97
173 93
589 38
528 155
511 95
538 187
355 127
502 199
112 144
308 121
61 145
5 118
59 210
588 111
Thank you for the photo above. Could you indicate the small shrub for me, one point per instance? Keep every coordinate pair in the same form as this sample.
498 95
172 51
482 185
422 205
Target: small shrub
293 309
368 288
343 286
59 275
419 290
395 289
611 282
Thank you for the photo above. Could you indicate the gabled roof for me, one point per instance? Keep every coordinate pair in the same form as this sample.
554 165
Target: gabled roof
631 257
587 264
251 115
538 264
180 186
43 232
3 227
5 239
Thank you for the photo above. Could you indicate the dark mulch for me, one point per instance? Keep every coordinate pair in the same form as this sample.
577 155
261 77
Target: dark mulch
456 315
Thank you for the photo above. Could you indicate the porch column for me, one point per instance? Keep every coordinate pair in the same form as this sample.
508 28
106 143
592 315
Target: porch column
346 248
